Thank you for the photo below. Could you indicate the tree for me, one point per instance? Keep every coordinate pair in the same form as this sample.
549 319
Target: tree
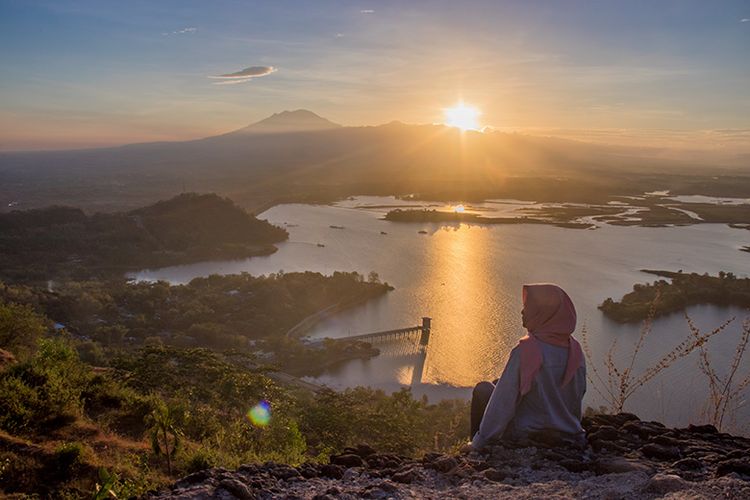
20 327
165 433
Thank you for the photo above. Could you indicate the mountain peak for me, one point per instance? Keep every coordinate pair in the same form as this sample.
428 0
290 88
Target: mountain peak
292 121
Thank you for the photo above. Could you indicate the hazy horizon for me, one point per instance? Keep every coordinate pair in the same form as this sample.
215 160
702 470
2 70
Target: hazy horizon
82 74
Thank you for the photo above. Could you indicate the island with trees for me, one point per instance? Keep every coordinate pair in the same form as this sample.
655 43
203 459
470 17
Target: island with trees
684 290
437 216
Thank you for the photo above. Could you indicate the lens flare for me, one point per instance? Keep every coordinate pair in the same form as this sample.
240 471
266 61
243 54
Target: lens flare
459 209
260 414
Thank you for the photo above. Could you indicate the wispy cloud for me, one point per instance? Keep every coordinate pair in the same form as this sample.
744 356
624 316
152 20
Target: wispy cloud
244 75
339 35
745 20
231 81
367 11
183 31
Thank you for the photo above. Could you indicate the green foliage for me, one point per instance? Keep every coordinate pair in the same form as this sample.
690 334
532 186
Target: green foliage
45 391
684 290
204 457
164 431
192 405
69 456
218 311
396 423
110 485
20 327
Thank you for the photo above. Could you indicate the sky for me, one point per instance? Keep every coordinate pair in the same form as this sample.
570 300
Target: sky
100 72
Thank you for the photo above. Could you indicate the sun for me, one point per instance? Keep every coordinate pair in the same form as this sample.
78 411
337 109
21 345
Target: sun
462 116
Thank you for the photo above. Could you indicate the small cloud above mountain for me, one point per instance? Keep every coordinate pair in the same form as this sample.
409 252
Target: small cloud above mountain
244 75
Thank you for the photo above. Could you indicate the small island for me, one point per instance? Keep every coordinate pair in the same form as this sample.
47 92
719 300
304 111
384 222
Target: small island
425 215
684 290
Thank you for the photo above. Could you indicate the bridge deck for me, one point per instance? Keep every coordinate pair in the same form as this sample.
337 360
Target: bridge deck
397 333
422 330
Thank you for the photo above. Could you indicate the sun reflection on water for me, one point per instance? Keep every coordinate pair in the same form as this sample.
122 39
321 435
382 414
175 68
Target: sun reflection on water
458 263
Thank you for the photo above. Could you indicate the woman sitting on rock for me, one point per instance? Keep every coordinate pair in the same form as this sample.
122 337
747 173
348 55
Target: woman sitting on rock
543 383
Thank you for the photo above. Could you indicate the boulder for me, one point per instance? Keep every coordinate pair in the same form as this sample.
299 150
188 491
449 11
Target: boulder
740 466
285 472
575 465
237 489
659 452
688 464
405 476
702 429
617 465
605 432
332 471
347 460
443 464
643 430
494 475
666 483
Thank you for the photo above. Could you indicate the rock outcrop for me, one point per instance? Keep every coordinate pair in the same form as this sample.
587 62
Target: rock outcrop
627 458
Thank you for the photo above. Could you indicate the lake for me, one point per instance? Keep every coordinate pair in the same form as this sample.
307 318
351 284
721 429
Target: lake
468 278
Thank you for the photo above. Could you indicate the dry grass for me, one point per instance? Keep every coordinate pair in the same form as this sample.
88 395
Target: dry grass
620 382
724 390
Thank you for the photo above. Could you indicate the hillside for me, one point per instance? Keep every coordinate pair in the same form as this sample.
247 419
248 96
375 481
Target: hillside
628 459
301 156
57 242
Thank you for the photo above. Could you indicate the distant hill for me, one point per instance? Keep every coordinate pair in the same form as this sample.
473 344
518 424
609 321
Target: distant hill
65 242
300 156
290 121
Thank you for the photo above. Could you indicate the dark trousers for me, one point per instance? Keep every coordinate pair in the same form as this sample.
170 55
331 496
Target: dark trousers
479 399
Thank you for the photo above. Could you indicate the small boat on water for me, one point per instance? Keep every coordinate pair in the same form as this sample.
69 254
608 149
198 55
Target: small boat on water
422 232
321 245
336 227
383 232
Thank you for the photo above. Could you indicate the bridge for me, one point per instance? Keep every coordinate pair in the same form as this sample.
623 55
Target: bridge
422 330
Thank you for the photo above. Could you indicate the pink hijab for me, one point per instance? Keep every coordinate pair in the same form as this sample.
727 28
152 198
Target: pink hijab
551 318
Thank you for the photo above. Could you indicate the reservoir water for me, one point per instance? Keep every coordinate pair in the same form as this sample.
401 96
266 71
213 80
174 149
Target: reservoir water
468 279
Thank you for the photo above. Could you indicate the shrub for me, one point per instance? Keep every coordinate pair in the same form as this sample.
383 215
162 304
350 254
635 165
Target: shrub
621 380
725 390
68 456
202 458
20 327
43 392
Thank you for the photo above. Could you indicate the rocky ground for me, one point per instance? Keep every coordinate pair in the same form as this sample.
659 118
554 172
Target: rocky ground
627 458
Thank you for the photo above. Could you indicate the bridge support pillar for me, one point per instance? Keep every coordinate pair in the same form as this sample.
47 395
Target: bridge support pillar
424 339
416 376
